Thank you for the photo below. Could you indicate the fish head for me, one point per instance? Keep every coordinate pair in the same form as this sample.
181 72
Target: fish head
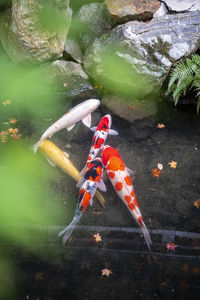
93 103
107 153
105 123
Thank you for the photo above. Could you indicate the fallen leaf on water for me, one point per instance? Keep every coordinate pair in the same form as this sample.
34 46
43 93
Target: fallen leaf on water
47 120
156 172
185 268
13 130
97 237
132 107
197 203
98 86
7 102
196 271
106 272
172 164
3 136
152 189
160 166
160 125
97 212
39 276
171 246
13 121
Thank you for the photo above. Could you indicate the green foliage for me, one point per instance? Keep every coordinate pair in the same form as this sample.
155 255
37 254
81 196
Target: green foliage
185 76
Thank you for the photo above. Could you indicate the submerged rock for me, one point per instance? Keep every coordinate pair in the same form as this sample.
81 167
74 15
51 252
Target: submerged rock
182 5
28 33
148 49
130 110
73 49
127 10
69 78
93 21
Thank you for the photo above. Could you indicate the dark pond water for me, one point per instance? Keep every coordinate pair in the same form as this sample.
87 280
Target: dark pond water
73 271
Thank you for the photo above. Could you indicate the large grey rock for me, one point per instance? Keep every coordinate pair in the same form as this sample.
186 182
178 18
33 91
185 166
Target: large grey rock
28 34
146 48
93 20
72 48
127 10
68 77
182 5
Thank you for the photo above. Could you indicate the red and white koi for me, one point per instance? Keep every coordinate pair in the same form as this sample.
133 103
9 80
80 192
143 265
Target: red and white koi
121 181
79 112
100 136
88 185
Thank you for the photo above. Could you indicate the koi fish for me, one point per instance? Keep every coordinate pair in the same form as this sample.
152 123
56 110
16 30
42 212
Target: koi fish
88 185
79 112
56 156
99 138
118 174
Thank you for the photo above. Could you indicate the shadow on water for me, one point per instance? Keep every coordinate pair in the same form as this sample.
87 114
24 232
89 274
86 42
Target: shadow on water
74 271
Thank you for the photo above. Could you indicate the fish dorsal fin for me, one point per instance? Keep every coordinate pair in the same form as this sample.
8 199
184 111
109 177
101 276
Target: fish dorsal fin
87 120
70 127
112 132
50 162
131 173
102 186
93 128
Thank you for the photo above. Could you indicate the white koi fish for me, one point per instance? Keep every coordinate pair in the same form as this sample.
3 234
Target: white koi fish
121 181
79 112
88 185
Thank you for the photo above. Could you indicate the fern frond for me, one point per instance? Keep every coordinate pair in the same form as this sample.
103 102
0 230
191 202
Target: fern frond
196 59
198 104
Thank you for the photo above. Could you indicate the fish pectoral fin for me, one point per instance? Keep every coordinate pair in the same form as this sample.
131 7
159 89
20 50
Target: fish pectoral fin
50 162
93 128
87 120
102 186
81 174
70 127
67 154
80 182
112 132
91 201
131 172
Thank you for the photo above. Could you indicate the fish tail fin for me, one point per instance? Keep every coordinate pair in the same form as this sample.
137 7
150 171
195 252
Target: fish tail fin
81 174
36 146
146 234
67 231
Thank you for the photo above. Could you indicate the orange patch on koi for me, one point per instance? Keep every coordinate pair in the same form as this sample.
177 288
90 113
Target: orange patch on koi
132 194
118 186
127 198
140 221
128 180
111 175
116 164
131 206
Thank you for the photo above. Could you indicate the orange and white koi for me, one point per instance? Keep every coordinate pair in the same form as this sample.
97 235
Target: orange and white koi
88 185
79 112
119 176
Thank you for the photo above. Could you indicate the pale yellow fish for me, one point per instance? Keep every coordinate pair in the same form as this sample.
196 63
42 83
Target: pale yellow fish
56 156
